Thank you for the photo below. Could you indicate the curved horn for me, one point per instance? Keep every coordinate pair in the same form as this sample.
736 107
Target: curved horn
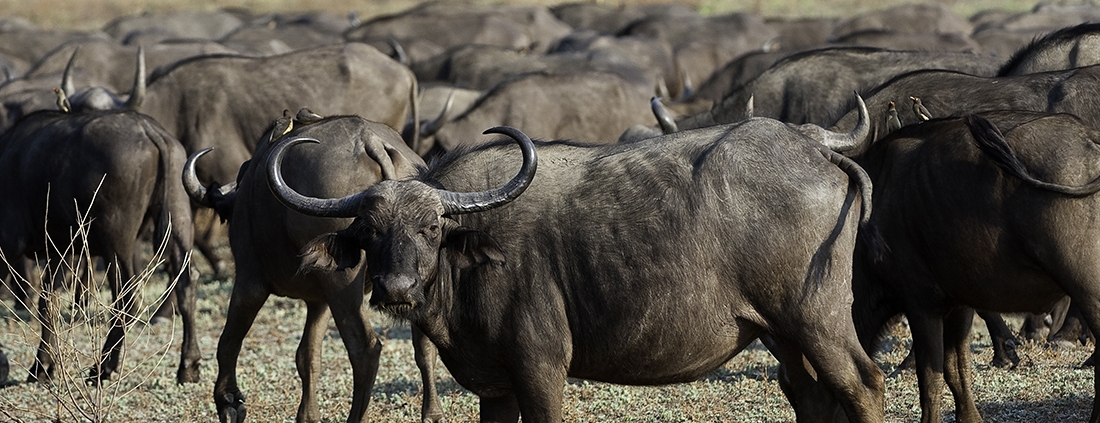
749 106
664 117
431 127
67 76
459 203
191 183
398 52
137 93
855 137
331 207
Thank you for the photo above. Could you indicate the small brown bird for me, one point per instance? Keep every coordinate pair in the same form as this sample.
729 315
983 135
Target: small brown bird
306 116
62 100
892 121
920 110
281 126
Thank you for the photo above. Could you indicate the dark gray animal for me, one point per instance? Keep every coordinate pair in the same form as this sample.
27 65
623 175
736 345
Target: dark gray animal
450 24
984 212
589 106
703 44
127 164
1071 47
114 64
699 242
228 101
266 238
947 93
815 86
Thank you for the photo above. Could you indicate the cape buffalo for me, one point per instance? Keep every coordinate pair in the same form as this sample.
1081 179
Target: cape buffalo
266 238
645 263
120 168
1071 47
592 106
814 86
990 211
227 101
948 93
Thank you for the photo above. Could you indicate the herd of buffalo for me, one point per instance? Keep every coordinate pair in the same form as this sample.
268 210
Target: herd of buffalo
715 180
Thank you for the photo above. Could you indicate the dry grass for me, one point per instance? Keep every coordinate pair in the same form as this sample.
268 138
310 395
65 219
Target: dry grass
1047 386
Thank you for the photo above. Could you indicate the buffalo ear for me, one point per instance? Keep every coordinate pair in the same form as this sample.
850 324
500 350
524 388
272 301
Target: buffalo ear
470 248
331 251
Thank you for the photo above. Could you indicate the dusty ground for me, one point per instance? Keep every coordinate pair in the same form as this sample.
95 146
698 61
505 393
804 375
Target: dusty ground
1048 386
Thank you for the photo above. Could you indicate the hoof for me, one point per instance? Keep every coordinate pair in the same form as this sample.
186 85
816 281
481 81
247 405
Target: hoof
40 373
188 373
231 408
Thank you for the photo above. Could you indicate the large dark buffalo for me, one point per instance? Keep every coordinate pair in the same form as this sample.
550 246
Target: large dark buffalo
1072 47
120 168
591 106
645 263
947 93
228 101
992 212
266 238
814 86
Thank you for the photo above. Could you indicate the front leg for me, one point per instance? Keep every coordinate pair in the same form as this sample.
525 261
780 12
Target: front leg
426 354
308 360
247 299
363 346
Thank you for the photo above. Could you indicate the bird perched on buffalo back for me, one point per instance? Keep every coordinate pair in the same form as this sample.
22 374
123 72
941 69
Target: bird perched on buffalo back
920 110
62 100
892 121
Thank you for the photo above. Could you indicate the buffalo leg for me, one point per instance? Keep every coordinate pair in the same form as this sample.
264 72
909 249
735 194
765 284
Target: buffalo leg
123 296
1004 342
186 293
363 346
425 353
538 383
811 401
844 368
958 372
247 299
929 350
43 367
499 409
308 360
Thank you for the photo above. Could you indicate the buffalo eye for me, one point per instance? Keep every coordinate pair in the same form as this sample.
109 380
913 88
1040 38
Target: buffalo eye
430 231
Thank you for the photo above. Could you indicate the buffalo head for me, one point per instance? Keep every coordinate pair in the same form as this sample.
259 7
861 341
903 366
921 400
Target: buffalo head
405 228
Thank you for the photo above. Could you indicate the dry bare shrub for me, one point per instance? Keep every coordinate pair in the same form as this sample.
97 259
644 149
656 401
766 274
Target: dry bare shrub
81 323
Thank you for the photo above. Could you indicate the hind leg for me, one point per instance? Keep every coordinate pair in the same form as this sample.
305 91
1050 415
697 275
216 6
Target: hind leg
798 380
958 370
123 305
844 368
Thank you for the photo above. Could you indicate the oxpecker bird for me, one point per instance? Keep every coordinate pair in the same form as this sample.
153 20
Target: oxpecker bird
62 100
892 121
281 126
306 116
920 110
